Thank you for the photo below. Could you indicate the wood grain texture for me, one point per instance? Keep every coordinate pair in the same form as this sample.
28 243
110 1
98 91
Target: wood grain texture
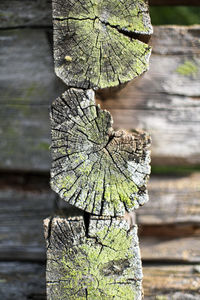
169 111
173 200
93 167
171 282
25 13
165 102
100 44
110 259
177 200
22 281
21 216
27 86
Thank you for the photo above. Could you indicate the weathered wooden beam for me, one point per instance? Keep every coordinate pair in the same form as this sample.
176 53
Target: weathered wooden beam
25 13
146 103
27 281
171 217
22 281
27 85
95 168
173 200
99 44
171 282
102 261
21 214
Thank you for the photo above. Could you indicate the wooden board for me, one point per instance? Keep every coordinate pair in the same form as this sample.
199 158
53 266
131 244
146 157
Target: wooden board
172 200
20 13
28 85
27 281
171 282
21 231
168 223
163 101
22 281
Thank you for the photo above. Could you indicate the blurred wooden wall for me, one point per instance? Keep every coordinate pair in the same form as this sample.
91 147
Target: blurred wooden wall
165 101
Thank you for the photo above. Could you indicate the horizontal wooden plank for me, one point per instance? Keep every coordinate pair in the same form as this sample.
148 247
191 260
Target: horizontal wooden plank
171 282
22 281
168 220
16 13
21 231
28 85
27 281
160 249
165 101
172 200
174 2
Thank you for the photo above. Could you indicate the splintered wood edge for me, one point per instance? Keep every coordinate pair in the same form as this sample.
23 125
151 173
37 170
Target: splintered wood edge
95 168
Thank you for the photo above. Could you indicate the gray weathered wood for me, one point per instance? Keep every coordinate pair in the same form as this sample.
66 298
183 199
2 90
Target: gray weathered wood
22 281
27 86
20 13
173 200
100 44
171 249
95 168
171 217
105 264
171 282
21 216
148 102
166 101
27 281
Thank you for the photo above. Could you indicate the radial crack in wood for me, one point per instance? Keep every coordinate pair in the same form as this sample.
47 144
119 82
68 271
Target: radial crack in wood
105 265
99 44
95 168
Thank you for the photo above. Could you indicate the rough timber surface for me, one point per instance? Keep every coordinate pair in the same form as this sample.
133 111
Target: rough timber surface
171 282
23 209
21 216
165 102
168 111
99 44
110 259
24 13
22 281
27 87
95 168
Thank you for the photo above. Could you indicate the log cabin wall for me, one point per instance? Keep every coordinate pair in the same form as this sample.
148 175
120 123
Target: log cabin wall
165 102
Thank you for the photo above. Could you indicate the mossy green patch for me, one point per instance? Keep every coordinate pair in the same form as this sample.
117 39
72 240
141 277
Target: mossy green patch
188 68
102 268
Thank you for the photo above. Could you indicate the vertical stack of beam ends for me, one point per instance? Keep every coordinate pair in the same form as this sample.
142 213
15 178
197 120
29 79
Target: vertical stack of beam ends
94 254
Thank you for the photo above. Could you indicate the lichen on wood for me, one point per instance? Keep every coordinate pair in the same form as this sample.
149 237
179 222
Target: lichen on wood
95 168
105 264
100 44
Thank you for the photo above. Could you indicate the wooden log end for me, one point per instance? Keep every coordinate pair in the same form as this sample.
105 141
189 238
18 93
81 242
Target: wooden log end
100 44
102 265
95 168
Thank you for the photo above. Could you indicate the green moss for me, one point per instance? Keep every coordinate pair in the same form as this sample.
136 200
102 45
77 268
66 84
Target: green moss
174 170
99 267
188 68
107 57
